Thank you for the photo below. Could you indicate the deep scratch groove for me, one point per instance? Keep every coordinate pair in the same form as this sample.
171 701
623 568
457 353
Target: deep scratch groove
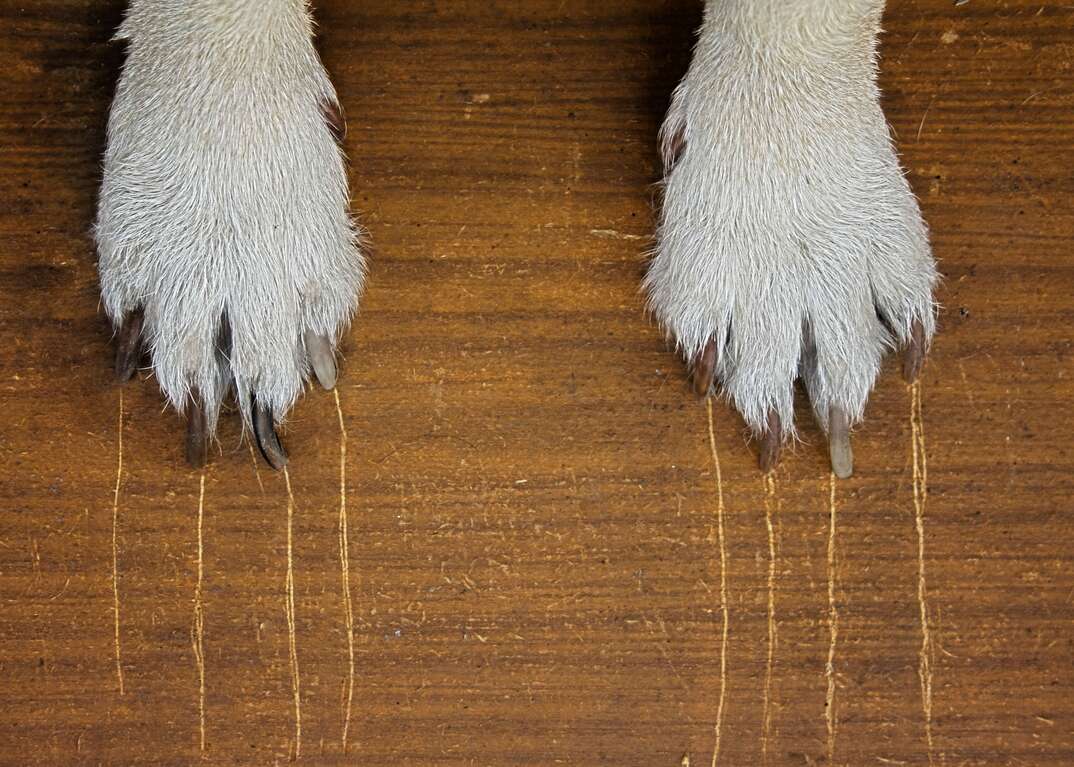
718 729
296 687
345 571
833 625
917 428
198 629
769 508
115 546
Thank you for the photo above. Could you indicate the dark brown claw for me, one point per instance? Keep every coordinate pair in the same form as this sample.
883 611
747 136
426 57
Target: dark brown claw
197 441
771 443
333 115
914 356
129 345
322 359
839 449
705 369
267 440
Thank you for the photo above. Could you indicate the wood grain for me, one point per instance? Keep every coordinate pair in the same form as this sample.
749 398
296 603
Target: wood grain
532 547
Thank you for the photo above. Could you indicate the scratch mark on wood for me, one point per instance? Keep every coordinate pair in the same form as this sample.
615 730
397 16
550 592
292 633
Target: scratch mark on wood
115 547
723 582
198 629
616 235
833 625
921 127
296 687
917 429
345 571
769 509
257 472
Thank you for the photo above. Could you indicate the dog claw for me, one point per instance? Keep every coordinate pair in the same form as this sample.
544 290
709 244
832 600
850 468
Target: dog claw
322 359
129 345
705 369
839 449
197 441
268 442
771 443
914 356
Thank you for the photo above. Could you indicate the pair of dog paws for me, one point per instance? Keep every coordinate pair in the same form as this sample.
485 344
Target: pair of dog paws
789 243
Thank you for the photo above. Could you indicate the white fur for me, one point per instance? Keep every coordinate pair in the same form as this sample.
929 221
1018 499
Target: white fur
787 217
225 193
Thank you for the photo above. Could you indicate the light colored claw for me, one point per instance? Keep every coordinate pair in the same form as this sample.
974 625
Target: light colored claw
322 359
839 448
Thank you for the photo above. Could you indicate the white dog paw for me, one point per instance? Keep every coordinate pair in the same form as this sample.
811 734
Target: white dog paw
226 246
790 244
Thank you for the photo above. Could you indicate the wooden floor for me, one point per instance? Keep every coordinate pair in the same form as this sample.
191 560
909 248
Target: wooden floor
517 538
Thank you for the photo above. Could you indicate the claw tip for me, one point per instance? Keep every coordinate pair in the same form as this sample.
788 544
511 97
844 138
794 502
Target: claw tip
839 449
197 439
129 346
705 369
914 356
322 359
771 443
268 442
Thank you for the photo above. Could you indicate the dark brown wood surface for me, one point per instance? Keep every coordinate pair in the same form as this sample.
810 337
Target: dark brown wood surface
539 566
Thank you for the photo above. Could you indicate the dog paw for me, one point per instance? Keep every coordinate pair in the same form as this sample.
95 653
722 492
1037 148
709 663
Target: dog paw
226 246
790 244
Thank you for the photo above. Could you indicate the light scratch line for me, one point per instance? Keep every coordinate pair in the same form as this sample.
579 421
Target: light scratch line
296 687
917 427
769 508
115 547
199 620
921 127
345 569
833 625
257 472
723 582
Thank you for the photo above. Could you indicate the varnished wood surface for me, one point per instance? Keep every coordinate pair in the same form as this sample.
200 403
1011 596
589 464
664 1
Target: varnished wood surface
533 518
